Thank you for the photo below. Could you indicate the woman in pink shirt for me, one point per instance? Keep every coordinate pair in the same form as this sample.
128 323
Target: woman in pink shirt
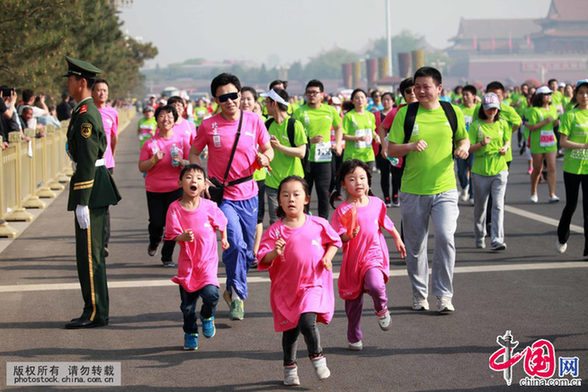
162 158
365 268
298 250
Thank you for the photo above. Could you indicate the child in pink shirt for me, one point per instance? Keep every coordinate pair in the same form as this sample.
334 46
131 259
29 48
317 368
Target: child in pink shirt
365 266
192 221
298 250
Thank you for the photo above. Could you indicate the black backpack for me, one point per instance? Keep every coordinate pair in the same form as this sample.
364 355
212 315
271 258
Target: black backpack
290 131
409 120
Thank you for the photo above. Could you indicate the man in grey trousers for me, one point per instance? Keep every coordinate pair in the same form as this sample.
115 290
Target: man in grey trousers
429 189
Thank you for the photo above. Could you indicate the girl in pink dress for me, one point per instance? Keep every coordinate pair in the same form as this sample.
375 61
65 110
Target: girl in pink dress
359 221
192 221
298 250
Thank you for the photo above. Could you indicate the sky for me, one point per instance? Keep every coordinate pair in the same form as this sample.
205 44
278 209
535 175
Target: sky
280 31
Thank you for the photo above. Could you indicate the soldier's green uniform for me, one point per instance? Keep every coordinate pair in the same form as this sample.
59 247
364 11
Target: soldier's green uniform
91 185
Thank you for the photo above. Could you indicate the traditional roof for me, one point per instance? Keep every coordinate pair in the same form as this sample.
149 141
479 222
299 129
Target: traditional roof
568 11
496 28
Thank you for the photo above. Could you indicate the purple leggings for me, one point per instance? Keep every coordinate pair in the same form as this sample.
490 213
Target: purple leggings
374 286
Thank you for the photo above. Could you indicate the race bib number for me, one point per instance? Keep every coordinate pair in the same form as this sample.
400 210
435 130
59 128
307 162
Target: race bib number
367 142
547 138
468 121
322 152
216 140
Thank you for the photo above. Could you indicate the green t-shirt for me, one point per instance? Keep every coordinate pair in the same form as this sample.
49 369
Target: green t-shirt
556 100
284 165
356 124
508 114
542 140
519 103
429 172
487 160
260 174
144 128
574 124
318 122
468 114
199 113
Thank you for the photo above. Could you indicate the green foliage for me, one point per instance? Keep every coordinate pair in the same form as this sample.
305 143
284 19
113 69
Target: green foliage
406 41
37 34
328 65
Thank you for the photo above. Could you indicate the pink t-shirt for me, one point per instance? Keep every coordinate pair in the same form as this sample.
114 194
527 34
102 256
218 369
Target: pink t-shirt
198 260
367 250
219 135
186 129
299 281
163 177
389 119
110 123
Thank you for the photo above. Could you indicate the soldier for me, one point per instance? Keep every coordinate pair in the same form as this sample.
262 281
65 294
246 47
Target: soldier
91 191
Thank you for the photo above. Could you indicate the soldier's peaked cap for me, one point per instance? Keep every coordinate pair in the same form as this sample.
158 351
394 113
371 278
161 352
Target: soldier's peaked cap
81 68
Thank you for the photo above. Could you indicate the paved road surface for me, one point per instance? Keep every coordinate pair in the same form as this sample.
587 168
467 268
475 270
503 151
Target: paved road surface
528 289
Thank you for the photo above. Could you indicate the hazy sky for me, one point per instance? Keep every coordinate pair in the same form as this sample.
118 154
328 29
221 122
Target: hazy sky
270 30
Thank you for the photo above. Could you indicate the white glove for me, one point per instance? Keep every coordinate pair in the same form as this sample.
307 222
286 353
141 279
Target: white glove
83 216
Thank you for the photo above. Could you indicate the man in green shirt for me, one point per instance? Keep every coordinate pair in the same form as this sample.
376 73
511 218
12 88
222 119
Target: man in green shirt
464 166
428 188
317 119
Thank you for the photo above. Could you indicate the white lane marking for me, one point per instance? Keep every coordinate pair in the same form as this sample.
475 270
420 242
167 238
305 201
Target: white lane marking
264 279
540 218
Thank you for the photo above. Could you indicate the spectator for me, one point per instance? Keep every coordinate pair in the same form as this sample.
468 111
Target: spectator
65 107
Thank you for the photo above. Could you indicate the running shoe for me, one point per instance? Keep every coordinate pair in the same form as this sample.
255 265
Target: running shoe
169 264
530 171
237 312
481 244
534 198
320 367
208 328
291 375
387 202
151 250
357 346
383 319
499 246
561 248
553 199
444 305
190 341
419 303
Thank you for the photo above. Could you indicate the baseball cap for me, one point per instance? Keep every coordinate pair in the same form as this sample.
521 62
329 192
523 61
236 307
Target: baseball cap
336 101
581 82
561 84
148 109
543 90
490 100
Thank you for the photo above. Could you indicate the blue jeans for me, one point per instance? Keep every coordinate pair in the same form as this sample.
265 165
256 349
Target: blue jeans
209 295
462 172
242 219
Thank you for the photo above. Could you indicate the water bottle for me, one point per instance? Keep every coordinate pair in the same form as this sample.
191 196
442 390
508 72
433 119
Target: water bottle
174 152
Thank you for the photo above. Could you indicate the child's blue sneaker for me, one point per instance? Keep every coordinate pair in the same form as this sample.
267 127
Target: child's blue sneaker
208 328
190 341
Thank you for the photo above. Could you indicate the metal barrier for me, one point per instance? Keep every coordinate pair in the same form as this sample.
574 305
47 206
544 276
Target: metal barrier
33 170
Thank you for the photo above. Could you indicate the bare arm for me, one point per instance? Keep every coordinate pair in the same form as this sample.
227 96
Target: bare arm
194 156
566 143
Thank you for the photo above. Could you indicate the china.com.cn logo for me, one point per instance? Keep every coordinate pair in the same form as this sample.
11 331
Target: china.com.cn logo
539 363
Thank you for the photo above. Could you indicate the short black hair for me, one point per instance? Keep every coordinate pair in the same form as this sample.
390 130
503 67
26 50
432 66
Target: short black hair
278 81
251 90
471 88
406 83
176 99
551 80
346 168
315 83
190 167
27 95
168 109
390 94
358 90
495 85
96 81
222 80
457 88
429 71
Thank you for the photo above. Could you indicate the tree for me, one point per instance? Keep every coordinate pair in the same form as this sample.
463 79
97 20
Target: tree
328 65
406 41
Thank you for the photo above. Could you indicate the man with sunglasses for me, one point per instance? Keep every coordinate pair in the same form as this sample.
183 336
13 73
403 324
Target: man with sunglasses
239 202
317 119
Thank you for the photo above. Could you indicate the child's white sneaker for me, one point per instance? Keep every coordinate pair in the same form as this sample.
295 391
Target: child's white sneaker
291 375
320 367
383 319
357 346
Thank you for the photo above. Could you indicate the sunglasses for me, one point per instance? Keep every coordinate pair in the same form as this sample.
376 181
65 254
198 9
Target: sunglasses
226 97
